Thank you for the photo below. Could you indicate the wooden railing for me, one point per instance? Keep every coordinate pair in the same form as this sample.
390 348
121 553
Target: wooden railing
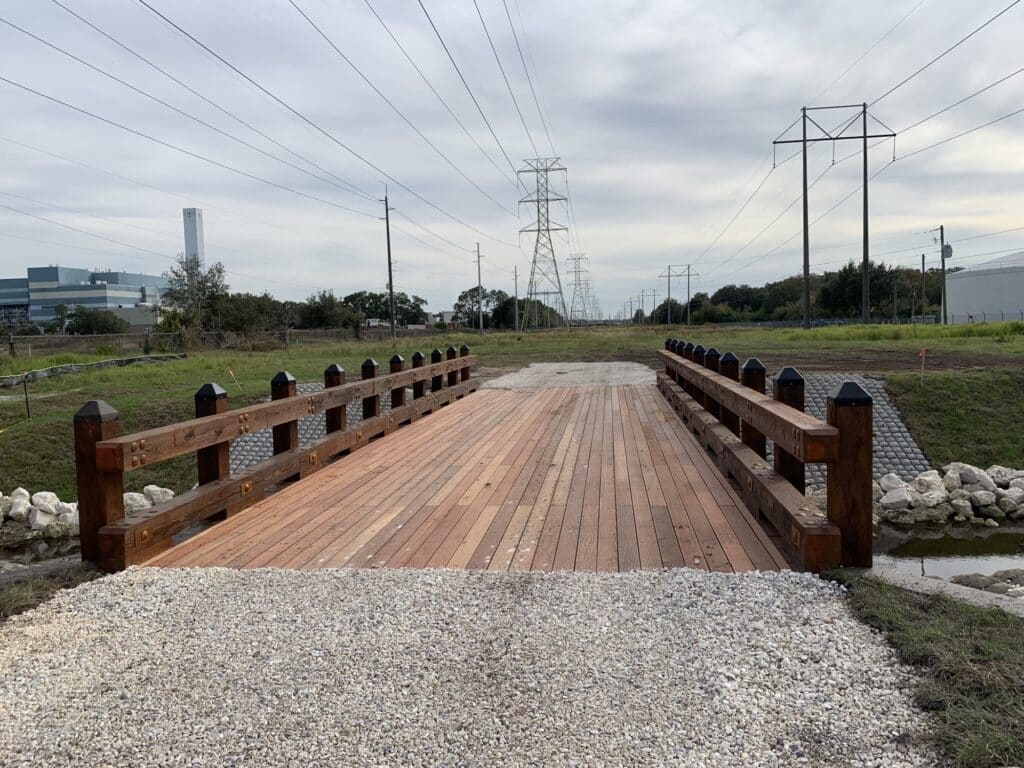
103 456
725 405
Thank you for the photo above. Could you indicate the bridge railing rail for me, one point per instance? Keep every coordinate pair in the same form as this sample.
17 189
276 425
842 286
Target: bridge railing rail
725 405
103 456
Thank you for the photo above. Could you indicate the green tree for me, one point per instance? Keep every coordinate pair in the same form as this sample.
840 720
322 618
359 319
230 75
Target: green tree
660 313
325 310
84 322
195 292
409 310
466 305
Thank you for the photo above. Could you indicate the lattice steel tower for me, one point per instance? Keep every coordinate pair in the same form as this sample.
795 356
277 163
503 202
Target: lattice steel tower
579 306
545 285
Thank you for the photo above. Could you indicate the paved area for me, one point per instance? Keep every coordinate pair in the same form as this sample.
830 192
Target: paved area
217 667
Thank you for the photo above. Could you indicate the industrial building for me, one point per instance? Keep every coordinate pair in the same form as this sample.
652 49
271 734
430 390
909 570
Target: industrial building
35 296
987 292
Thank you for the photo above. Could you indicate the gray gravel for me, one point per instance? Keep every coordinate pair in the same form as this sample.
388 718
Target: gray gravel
218 667
545 375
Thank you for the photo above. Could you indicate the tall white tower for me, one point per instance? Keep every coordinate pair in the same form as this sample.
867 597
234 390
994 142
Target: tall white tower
194 232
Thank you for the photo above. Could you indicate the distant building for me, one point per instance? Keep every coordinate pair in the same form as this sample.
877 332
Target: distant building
989 292
35 297
446 316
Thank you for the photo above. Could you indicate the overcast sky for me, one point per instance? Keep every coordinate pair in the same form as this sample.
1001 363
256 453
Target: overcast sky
663 113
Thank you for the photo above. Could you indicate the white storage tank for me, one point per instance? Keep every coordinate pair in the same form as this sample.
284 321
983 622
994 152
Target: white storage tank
988 292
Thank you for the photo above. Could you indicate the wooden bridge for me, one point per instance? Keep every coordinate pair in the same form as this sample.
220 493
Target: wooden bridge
609 478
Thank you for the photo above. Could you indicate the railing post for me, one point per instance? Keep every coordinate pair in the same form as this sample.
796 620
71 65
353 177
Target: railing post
286 436
371 403
687 354
100 494
436 382
398 393
696 392
464 352
212 463
418 387
752 376
335 419
711 358
453 376
729 366
788 388
849 409
668 344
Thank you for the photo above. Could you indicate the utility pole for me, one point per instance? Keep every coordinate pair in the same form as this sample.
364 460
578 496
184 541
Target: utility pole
515 278
479 291
924 298
942 263
668 301
895 282
391 281
834 137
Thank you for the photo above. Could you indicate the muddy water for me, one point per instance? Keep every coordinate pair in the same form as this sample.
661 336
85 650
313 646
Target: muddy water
951 551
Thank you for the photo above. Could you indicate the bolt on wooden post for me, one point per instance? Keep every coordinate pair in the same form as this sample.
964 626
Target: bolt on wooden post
100 494
453 375
711 358
418 387
335 419
436 382
212 463
752 375
788 388
371 403
286 436
398 393
729 366
850 410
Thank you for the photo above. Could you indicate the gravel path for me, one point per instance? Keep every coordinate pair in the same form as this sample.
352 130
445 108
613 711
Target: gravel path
370 668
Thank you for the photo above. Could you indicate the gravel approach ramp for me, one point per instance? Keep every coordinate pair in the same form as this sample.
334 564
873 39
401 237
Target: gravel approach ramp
216 667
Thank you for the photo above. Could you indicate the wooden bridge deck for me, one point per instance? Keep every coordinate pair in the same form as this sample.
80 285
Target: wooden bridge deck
596 478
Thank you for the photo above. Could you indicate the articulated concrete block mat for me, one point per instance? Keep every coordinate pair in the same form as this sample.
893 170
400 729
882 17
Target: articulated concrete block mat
546 375
218 667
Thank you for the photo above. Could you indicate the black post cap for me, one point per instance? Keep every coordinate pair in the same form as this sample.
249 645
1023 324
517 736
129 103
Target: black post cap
789 377
282 377
712 353
729 357
210 391
397 358
464 350
753 364
334 368
418 357
689 346
452 350
95 411
699 349
850 393
436 355
369 364
668 343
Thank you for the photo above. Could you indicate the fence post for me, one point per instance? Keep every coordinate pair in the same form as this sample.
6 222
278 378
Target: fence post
453 376
464 352
711 358
371 403
286 436
696 392
436 382
788 388
729 366
668 344
752 376
335 419
687 353
418 387
849 409
398 393
100 494
212 463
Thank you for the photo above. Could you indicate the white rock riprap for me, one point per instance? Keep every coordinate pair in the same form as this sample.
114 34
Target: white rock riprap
429 667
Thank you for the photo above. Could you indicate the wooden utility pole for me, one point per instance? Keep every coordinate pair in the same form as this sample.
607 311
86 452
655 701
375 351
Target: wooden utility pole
515 278
391 281
942 266
807 228
865 297
924 299
479 291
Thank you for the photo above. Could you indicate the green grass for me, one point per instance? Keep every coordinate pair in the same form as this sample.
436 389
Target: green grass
970 662
23 595
37 454
972 416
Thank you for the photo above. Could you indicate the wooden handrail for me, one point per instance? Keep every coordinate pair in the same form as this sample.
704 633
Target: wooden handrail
140 449
800 434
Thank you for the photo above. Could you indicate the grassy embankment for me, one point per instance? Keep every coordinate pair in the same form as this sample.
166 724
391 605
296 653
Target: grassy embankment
37 454
970 665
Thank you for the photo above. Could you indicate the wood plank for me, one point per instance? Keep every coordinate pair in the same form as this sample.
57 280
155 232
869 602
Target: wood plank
625 522
568 537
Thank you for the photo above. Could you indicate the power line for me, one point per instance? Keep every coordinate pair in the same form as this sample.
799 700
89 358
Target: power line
955 45
314 125
169 106
469 90
195 155
439 97
396 110
352 187
965 98
504 77
529 79
961 135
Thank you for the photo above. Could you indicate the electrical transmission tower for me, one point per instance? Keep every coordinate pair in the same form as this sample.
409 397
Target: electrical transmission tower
579 309
545 287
